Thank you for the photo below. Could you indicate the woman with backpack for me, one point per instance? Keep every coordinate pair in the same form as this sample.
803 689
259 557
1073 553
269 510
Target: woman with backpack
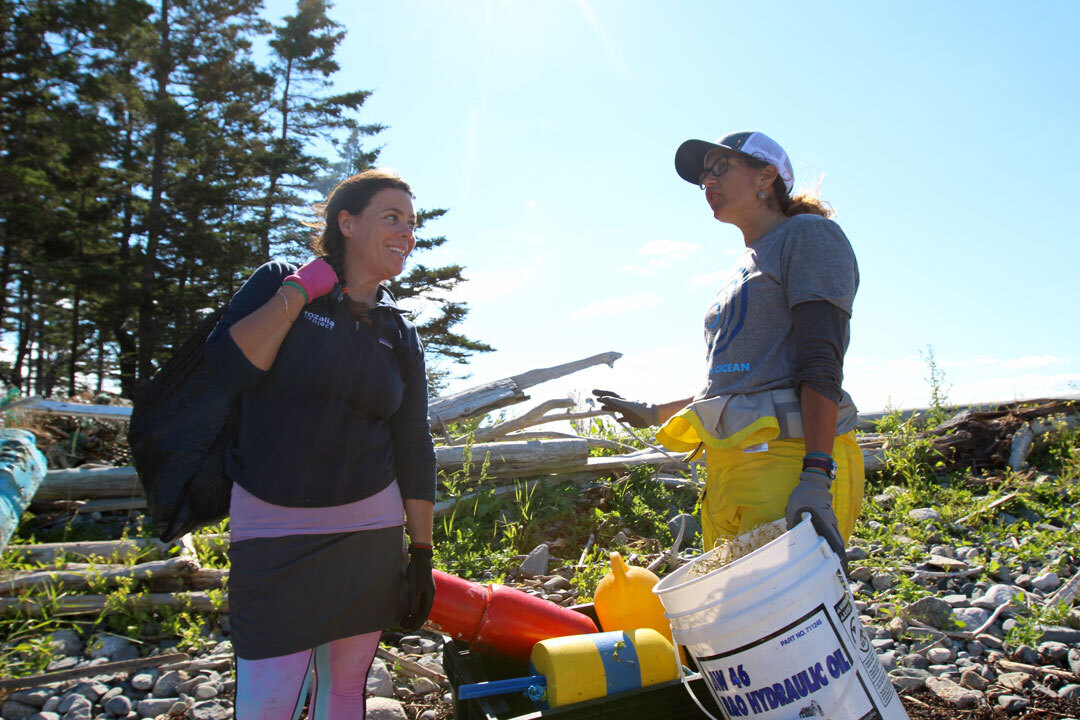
775 426
334 463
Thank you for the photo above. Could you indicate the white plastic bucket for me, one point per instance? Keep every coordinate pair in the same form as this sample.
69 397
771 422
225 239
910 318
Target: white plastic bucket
776 635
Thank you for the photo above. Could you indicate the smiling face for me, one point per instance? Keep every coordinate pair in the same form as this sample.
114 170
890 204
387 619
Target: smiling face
377 240
731 185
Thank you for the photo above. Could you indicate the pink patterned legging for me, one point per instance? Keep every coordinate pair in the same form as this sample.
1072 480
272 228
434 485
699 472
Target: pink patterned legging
275 688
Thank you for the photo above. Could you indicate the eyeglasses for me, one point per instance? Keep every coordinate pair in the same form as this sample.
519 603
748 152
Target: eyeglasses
718 168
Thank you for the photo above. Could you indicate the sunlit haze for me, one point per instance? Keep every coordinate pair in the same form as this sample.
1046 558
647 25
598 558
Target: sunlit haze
943 134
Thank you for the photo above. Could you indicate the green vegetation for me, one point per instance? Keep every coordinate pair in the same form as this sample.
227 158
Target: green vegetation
489 528
1039 512
487 531
1015 522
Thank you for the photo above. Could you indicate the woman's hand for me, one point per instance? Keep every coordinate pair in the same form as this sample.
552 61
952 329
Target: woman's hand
314 279
635 414
421 587
812 496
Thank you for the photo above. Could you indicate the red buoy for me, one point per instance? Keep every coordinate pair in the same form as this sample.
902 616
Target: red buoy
458 607
499 621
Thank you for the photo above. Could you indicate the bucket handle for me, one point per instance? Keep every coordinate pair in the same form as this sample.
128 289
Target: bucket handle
686 680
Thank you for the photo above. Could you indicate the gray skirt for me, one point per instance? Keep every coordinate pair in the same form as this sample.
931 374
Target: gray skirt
297 592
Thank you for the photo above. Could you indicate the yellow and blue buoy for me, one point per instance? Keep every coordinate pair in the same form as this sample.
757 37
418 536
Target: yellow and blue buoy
575 668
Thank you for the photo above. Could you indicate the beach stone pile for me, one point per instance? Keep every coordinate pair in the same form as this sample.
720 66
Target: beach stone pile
206 694
202 694
534 576
953 642
939 617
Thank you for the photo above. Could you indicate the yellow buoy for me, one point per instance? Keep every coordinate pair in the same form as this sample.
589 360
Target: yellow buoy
624 599
583 667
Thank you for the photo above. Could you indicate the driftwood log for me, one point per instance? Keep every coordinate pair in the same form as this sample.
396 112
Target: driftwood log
411 668
516 459
508 391
83 578
465 404
507 459
70 576
1067 593
112 668
988 435
983 439
522 456
535 416
88 506
214 662
94 604
555 435
90 484
118 550
53 407
867 420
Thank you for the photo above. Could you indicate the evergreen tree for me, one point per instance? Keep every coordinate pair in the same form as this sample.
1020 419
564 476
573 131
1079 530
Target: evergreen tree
304 116
148 164
38 68
201 78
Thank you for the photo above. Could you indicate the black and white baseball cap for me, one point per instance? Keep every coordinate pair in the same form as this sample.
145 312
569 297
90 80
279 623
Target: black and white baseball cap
690 157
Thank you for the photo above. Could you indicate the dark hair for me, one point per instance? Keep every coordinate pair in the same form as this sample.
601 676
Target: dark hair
352 194
801 204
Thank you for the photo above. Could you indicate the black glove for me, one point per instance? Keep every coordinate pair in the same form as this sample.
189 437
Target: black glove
635 414
421 588
812 496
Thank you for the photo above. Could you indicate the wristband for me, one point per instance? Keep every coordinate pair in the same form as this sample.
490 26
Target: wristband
422 551
820 462
298 286
288 317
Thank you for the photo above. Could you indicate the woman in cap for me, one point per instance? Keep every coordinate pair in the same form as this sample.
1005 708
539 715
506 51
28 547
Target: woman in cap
334 461
775 426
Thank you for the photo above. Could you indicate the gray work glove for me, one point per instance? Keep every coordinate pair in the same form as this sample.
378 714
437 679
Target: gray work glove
812 496
635 414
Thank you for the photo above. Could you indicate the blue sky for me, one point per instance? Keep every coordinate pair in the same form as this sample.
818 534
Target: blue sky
942 133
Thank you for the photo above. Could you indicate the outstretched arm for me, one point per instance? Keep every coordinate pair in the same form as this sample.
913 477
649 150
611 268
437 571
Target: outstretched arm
667 410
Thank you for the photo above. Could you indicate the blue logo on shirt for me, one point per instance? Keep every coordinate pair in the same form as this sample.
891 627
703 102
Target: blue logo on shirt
730 316
320 320
729 367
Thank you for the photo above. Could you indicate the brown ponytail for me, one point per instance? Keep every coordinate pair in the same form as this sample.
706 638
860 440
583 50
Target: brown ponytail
801 204
352 194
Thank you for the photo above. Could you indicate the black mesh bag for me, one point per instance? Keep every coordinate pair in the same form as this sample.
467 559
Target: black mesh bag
182 425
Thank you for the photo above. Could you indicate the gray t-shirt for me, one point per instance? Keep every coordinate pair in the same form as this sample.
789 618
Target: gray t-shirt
748 328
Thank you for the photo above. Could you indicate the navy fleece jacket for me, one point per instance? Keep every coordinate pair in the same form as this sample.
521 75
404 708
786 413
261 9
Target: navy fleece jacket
343 410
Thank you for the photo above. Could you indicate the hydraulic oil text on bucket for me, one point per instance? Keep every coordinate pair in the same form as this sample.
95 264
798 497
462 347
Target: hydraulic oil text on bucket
777 675
776 635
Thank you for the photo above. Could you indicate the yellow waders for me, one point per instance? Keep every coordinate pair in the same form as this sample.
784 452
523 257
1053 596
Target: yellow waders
746 489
